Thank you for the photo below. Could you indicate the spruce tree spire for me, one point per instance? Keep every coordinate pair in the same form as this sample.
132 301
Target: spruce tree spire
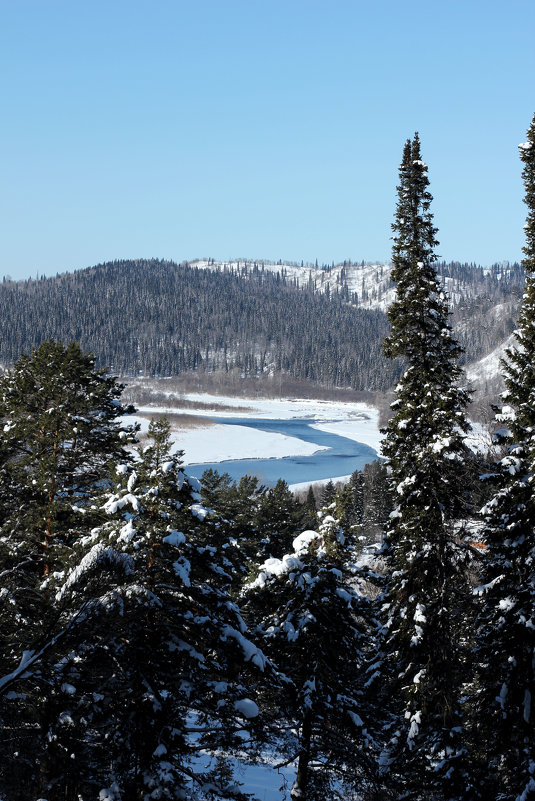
519 367
506 633
429 413
426 452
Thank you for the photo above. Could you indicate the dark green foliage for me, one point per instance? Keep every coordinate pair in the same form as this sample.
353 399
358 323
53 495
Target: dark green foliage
236 505
278 518
60 429
58 414
377 499
350 502
216 490
327 494
245 499
118 631
506 634
422 667
310 510
364 503
124 653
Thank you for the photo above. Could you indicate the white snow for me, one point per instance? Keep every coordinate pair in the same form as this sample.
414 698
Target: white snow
371 282
246 708
506 604
250 651
281 408
357 720
365 429
221 443
490 365
527 705
415 720
198 511
218 443
127 532
479 439
419 614
113 504
112 793
174 538
182 569
302 542
86 563
276 567
304 485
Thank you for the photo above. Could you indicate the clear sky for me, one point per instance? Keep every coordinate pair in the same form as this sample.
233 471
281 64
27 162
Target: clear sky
257 128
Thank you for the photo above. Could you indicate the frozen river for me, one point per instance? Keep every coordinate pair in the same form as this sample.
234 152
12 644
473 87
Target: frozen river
336 455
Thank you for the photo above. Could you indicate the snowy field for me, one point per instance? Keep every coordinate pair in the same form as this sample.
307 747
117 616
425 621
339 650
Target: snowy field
218 443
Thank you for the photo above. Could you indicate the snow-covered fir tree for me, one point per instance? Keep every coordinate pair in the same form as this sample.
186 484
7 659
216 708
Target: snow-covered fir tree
314 624
505 714
421 661
309 509
162 672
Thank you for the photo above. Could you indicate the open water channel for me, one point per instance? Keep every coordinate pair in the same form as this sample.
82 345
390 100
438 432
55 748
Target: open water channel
341 457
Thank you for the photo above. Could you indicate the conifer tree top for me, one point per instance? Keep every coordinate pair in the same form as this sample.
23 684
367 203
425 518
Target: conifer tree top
420 330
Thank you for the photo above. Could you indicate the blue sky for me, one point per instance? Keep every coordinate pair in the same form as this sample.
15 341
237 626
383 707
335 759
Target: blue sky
257 128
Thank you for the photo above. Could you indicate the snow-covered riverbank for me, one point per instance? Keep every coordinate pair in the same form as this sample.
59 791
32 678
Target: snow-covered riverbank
218 442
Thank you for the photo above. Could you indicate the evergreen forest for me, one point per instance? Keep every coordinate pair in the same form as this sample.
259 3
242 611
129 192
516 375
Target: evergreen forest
158 632
157 319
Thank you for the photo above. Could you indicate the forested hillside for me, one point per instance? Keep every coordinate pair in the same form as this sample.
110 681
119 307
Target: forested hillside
320 324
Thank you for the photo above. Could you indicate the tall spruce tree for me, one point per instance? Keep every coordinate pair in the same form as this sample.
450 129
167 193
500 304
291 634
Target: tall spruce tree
506 631
60 425
424 445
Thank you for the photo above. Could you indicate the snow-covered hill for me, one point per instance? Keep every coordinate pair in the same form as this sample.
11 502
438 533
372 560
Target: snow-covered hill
485 374
485 301
321 324
368 285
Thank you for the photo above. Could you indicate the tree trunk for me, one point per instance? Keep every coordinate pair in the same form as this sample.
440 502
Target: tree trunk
300 786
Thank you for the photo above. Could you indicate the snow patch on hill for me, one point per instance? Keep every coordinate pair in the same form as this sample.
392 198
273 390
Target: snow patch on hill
489 367
365 285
